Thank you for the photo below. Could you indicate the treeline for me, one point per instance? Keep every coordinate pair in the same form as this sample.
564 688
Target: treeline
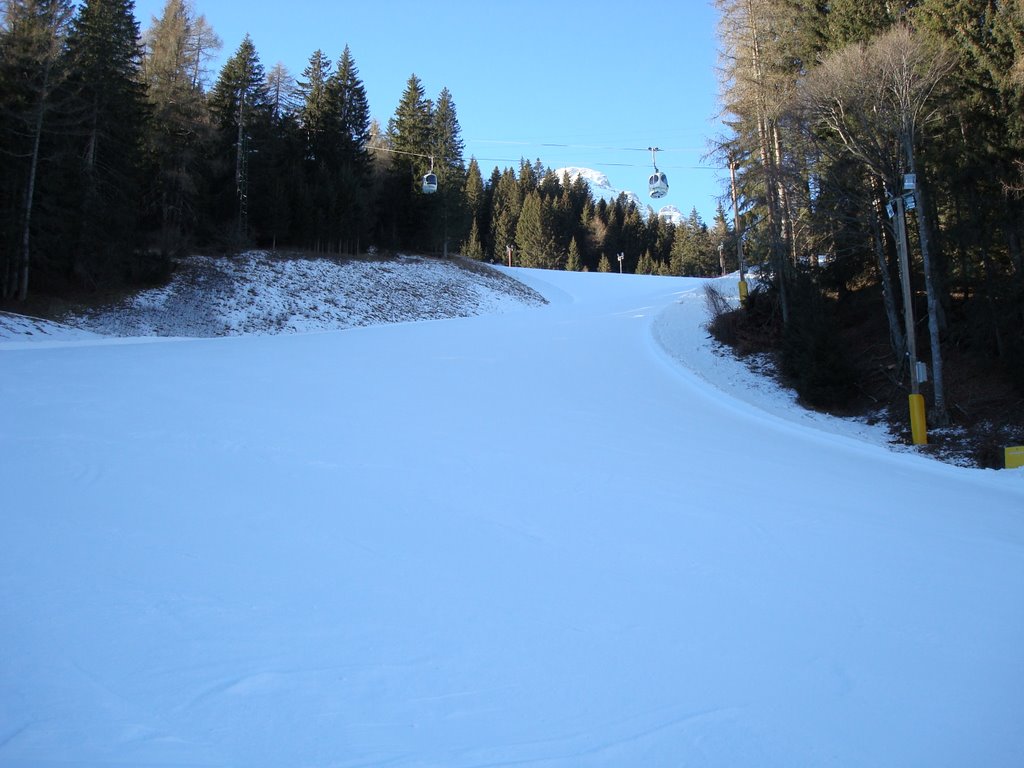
542 220
118 153
847 119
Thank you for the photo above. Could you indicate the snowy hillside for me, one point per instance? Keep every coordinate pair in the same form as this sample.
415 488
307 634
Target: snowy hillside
570 533
20 328
258 292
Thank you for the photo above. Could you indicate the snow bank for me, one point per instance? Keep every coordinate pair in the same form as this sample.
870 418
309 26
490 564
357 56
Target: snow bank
261 293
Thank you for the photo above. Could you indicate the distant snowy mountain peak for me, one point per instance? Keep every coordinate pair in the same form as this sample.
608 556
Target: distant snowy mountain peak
671 214
601 187
595 178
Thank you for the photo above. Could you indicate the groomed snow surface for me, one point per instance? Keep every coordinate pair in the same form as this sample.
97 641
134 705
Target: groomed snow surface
562 534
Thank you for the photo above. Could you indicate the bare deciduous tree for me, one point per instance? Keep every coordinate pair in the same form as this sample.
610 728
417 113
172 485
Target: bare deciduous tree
758 77
875 98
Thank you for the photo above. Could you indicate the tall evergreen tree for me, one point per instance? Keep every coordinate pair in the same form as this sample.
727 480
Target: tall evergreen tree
315 114
722 240
505 209
857 21
446 148
410 127
352 115
979 173
475 196
106 51
685 257
283 162
573 263
318 204
32 66
241 108
534 240
409 133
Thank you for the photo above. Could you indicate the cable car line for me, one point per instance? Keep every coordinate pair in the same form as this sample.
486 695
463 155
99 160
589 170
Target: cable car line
429 181
657 182
566 145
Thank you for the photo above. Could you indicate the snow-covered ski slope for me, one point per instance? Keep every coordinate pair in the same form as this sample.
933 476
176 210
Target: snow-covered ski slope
570 535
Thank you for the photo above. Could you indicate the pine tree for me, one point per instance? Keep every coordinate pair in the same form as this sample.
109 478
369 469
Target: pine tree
723 241
531 237
32 66
315 114
529 178
505 209
410 131
685 256
352 113
857 21
318 122
472 247
105 47
282 159
407 214
475 196
241 109
645 264
573 262
977 172
597 231
446 148
633 240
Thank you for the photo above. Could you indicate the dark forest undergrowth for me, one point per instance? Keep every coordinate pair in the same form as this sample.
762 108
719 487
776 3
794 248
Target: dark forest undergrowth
838 359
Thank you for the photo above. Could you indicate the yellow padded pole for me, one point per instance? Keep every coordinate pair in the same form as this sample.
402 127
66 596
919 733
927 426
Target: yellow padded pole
918 425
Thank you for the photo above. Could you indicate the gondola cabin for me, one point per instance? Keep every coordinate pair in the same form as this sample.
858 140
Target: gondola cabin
430 183
658 184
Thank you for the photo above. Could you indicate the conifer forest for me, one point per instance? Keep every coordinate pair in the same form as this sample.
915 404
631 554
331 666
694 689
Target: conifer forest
858 134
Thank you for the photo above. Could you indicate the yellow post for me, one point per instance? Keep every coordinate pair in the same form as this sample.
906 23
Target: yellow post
1015 457
743 293
918 426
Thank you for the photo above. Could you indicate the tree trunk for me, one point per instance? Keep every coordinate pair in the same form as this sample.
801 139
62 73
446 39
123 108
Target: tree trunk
766 136
940 415
896 337
26 233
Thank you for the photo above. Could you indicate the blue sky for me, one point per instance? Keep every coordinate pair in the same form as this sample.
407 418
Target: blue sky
606 79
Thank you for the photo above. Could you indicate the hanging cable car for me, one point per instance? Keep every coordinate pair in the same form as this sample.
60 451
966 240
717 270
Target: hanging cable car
430 180
658 182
